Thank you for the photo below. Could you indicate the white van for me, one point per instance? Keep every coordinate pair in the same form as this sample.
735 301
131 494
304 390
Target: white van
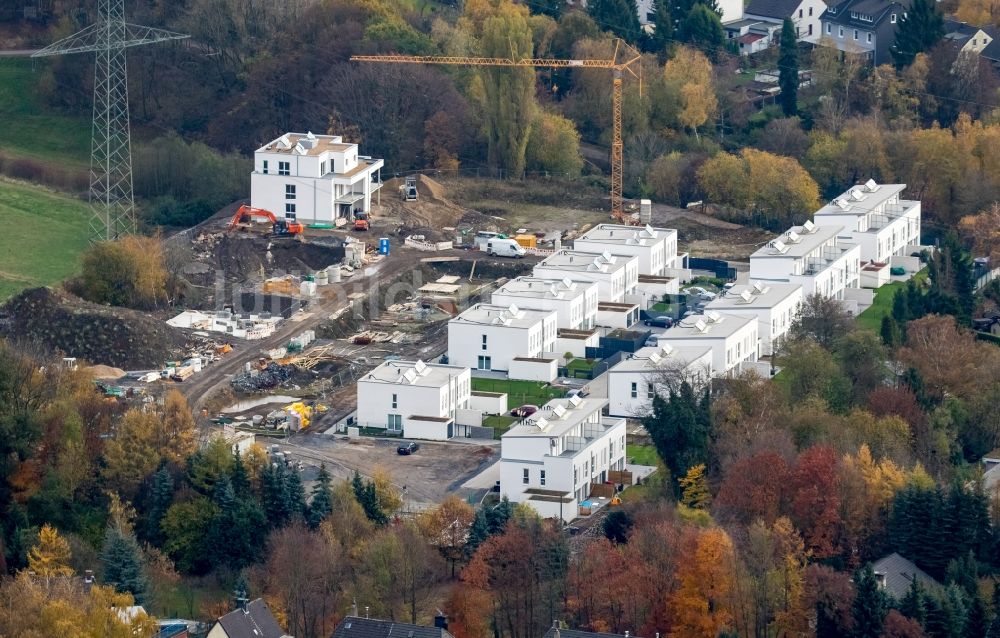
505 248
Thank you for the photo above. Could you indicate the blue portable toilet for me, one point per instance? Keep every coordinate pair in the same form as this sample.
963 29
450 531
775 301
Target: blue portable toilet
383 246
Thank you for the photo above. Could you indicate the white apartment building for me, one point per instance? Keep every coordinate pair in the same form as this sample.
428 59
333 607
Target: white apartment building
550 460
415 398
733 339
575 302
313 178
615 275
775 307
656 248
633 382
811 256
874 217
489 337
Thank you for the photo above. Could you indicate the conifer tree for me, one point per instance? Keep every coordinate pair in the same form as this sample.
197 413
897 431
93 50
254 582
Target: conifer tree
618 16
663 27
322 499
917 31
296 494
976 623
123 564
239 478
788 69
914 602
160 500
275 497
364 492
870 604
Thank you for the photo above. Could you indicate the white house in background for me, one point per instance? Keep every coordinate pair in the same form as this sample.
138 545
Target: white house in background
874 217
774 305
313 178
811 256
615 275
575 302
753 35
656 248
633 382
489 337
805 15
415 398
733 339
550 460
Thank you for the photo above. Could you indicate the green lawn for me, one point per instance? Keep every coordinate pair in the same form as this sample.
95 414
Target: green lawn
518 392
32 130
583 365
871 318
642 454
500 424
44 234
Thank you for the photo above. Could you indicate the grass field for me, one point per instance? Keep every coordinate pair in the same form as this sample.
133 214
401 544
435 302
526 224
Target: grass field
518 392
641 454
500 424
39 134
871 318
44 234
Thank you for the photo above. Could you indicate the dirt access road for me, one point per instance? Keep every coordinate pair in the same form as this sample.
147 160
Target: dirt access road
201 386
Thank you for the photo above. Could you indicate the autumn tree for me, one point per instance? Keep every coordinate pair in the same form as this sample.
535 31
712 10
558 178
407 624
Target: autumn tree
814 502
982 232
50 556
175 435
788 69
822 320
701 605
753 488
694 488
128 272
132 454
554 146
949 359
447 527
689 74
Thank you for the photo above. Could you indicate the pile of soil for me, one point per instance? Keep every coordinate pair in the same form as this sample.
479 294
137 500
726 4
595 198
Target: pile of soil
99 334
427 216
240 255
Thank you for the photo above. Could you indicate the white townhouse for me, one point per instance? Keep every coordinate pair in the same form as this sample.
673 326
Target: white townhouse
811 256
313 178
874 217
550 460
418 399
490 337
633 382
575 302
656 248
733 339
774 305
615 275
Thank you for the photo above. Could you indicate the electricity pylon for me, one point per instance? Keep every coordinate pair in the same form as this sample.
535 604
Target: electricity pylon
622 59
111 200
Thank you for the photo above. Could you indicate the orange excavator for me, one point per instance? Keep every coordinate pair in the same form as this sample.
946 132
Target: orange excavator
246 214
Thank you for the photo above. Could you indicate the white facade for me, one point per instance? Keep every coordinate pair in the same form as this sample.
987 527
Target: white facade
656 248
550 460
733 339
634 382
488 337
775 306
805 15
313 178
615 275
416 398
875 218
575 302
811 256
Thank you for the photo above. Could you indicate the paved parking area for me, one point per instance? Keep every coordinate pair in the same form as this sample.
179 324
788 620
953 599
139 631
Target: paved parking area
426 477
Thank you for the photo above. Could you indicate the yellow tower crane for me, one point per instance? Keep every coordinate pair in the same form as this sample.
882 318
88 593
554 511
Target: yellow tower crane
622 60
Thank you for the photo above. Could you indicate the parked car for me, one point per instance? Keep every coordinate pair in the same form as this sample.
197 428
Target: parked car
524 410
661 321
407 449
583 392
700 293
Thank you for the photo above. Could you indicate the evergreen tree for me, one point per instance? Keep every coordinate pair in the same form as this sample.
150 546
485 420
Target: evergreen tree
889 331
994 630
939 618
900 305
977 625
703 28
296 494
239 478
160 500
223 495
551 8
788 69
364 492
478 532
914 602
917 31
322 499
500 515
618 16
122 563
679 427
275 497
663 28
617 525
870 604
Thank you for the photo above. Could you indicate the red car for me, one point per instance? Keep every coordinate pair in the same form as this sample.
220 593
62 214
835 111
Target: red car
524 410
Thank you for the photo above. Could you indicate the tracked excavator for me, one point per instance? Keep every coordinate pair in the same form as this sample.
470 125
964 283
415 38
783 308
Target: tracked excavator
280 227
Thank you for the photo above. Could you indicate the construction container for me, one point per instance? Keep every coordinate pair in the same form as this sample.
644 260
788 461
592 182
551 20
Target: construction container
335 275
182 374
323 278
307 288
528 241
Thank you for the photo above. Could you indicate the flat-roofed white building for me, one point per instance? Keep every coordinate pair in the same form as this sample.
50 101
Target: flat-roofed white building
876 218
489 337
418 399
575 302
656 248
313 178
633 382
774 305
615 275
811 256
551 460
733 339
